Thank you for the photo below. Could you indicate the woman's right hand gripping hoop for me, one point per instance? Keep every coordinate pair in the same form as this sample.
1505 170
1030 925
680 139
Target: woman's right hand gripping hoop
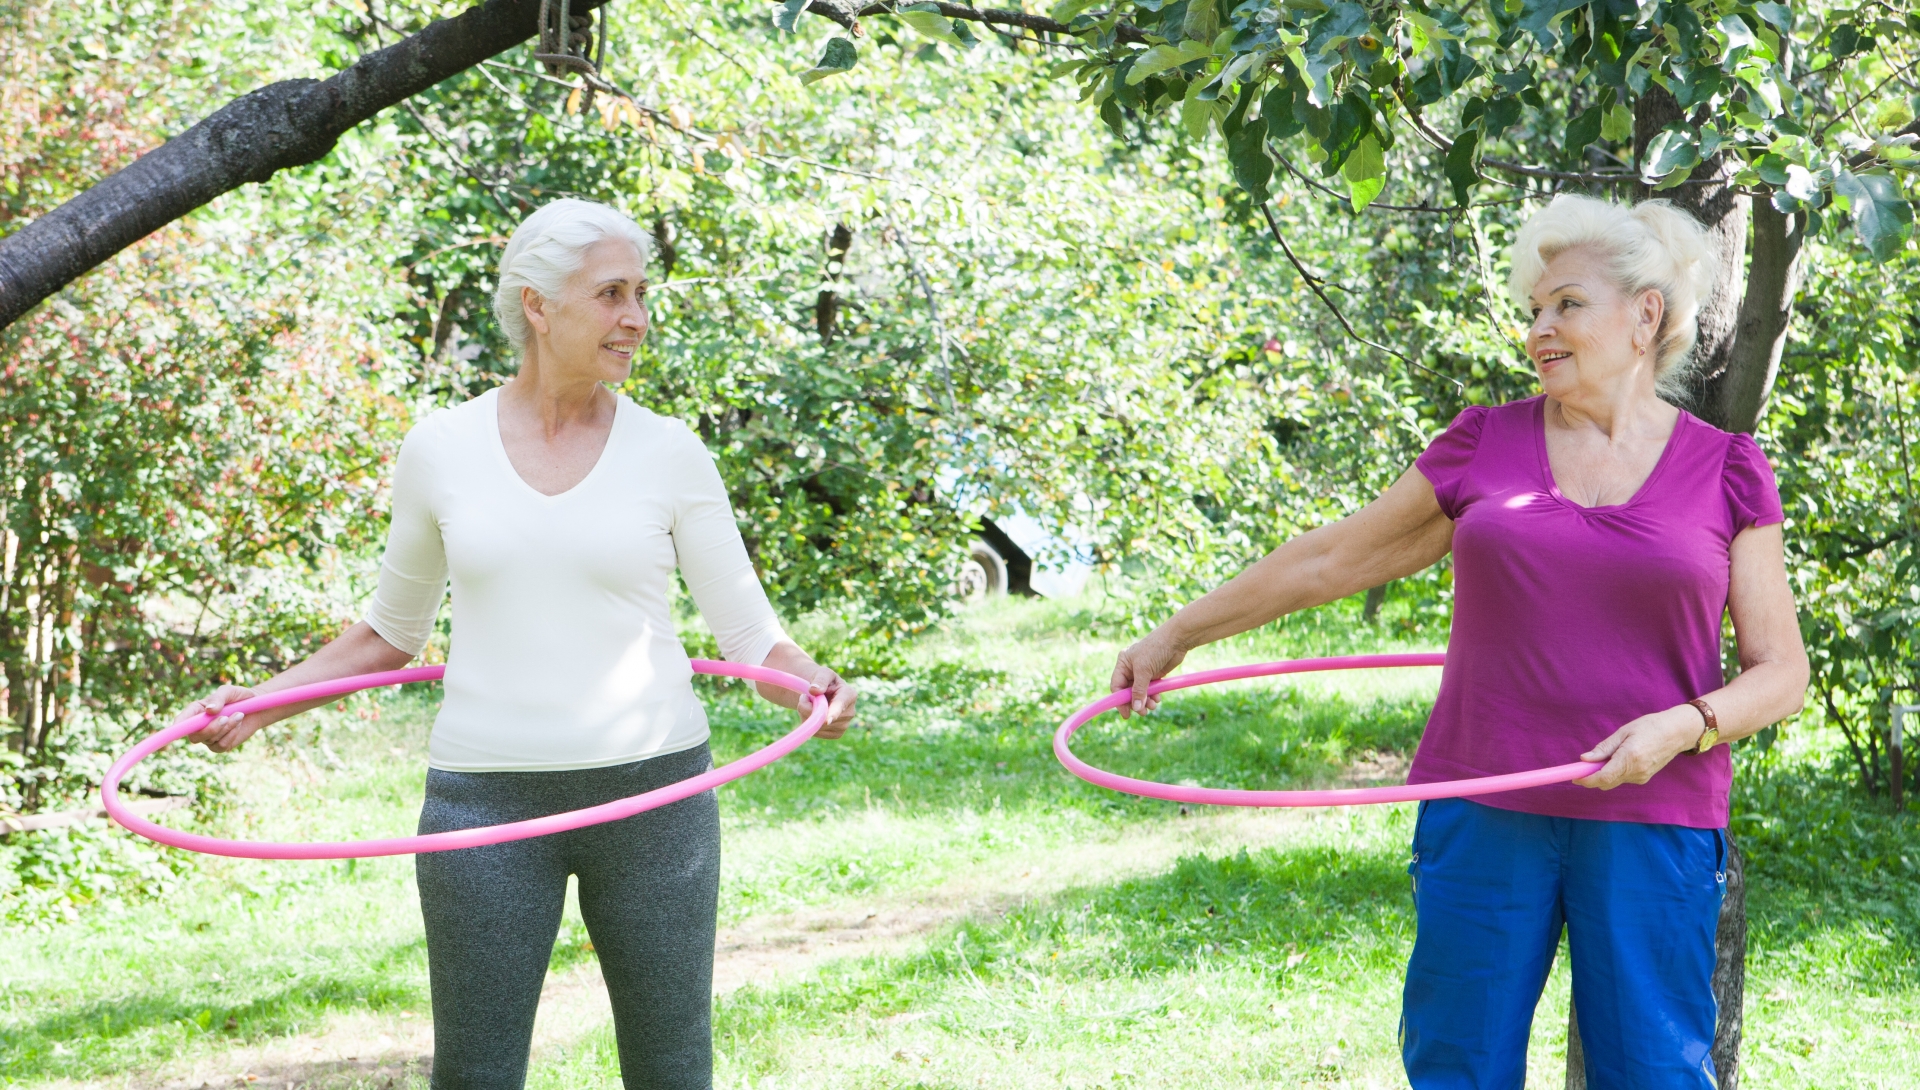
1351 796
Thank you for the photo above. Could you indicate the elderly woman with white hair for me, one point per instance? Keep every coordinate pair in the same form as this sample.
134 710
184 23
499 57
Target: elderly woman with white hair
560 510
1599 535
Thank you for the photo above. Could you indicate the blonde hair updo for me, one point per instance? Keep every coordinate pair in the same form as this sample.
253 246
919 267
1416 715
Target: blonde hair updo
1649 246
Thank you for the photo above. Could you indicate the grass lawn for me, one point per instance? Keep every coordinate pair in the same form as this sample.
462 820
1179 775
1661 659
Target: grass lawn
933 902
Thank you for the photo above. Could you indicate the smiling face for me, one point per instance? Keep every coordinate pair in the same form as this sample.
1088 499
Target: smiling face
1587 335
593 329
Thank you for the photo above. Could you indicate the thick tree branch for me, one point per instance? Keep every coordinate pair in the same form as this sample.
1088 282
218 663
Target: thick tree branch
849 17
274 128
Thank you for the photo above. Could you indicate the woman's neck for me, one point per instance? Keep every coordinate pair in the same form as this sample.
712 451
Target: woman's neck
556 401
1630 408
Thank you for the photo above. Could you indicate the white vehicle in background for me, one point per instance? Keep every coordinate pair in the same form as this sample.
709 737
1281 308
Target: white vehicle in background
1001 561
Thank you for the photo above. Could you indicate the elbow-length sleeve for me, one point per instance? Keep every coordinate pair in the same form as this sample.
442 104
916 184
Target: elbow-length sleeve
713 560
413 573
1445 461
1753 496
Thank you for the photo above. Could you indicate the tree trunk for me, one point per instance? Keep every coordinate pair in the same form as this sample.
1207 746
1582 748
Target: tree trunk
286 124
1774 275
1576 1054
1730 971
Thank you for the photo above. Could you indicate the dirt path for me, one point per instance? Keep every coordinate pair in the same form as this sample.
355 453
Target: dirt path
366 1051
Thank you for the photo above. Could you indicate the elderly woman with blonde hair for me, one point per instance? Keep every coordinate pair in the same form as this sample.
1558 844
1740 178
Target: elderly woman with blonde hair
560 511
1599 535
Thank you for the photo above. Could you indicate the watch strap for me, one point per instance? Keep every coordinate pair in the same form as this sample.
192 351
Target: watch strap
1711 734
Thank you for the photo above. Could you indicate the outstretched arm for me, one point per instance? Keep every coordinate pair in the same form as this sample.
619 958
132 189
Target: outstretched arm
1394 536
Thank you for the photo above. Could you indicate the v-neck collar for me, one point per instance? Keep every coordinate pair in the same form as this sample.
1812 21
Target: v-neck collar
506 463
1646 486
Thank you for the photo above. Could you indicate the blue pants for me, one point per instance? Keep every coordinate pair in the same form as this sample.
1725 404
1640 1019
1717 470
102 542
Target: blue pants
1492 889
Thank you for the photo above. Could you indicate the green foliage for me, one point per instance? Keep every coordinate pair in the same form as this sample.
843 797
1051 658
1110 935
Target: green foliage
1807 105
885 324
191 438
1843 429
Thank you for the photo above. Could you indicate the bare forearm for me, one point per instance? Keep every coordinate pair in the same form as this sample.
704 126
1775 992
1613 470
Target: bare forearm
1290 578
358 650
1763 694
1320 566
786 657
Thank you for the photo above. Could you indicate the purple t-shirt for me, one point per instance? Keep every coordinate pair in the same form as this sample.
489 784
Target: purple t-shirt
1570 621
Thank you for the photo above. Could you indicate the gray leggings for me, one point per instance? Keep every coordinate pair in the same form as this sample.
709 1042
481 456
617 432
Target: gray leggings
649 888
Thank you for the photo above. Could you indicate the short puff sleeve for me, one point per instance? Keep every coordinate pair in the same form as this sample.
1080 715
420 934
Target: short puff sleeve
1753 497
1445 461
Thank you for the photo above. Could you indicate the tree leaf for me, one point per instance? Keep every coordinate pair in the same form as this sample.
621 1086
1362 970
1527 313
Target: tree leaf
1739 34
1247 154
788 14
1351 121
1537 18
1894 113
1668 151
1462 174
839 56
1366 172
1162 57
1843 41
932 24
1882 218
1584 130
1278 108
1502 113
1202 21
1618 124
1780 15
1342 21
1195 111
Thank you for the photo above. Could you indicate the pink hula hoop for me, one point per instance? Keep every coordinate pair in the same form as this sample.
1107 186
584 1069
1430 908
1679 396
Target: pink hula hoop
1351 796
460 838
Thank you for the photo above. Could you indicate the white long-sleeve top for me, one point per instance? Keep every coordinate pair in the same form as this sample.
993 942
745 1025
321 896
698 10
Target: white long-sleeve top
563 653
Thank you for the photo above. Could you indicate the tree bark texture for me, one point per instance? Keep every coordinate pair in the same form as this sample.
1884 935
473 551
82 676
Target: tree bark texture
286 124
1774 274
1576 1054
1743 329
1730 971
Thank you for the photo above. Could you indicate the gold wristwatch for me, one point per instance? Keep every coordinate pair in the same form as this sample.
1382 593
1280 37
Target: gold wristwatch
1710 735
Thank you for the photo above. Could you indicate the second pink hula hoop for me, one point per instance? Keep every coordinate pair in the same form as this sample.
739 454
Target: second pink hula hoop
459 838
1352 796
